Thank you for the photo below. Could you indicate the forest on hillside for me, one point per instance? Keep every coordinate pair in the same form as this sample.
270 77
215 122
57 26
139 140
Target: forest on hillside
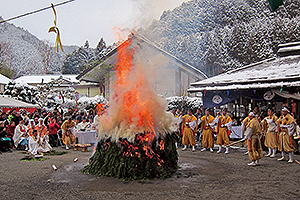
219 35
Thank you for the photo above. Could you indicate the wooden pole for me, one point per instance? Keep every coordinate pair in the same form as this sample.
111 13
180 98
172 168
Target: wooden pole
235 142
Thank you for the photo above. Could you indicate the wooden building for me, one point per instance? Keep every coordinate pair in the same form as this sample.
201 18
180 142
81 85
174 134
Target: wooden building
274 82
64 80
172 76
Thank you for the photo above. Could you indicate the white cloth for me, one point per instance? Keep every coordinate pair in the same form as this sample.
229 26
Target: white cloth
248 133
96 121
33 146
291 128
18 134
44 145
175 123
229 125
216 120
199 121
90 126
82 125
272 125
193 124
243 126
86 137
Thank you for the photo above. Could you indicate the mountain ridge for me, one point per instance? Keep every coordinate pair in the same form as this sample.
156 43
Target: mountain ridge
29 54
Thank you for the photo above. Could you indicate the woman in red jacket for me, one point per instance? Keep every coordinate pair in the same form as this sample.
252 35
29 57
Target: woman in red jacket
53 128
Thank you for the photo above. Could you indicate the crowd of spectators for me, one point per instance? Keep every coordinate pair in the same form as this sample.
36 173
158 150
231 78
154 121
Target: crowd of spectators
13 123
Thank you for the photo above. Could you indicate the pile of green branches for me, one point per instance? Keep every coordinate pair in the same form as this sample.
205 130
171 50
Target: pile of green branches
112 159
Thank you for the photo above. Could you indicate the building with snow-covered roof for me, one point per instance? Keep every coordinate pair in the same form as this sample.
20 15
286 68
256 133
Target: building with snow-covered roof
42 79
273 80
3 81
172 76
64 80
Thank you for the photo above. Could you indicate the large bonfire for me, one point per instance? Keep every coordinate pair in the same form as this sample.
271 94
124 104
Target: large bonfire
134 133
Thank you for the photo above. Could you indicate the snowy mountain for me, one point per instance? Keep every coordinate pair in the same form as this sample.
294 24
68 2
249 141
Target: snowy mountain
218 35
28 54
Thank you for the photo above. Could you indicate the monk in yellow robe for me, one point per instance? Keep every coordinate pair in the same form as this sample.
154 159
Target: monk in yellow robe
269 126
253 135
189 128
245 123
207 128
223 130
67 136
287 125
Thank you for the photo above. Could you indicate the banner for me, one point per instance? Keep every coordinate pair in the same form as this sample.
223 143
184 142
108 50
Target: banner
218 98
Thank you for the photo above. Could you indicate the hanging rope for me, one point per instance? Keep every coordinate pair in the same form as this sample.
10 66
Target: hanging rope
36 11
56 30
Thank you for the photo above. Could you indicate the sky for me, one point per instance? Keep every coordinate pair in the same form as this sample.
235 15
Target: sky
83 20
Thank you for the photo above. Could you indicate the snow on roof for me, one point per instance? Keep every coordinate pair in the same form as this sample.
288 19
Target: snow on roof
4 79
246 86
289 49
37 79
285 69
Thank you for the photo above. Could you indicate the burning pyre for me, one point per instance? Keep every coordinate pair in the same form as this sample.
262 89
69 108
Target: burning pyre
135 140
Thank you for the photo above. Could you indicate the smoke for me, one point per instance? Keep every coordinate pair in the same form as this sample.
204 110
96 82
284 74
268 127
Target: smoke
147 10
143 12
134 105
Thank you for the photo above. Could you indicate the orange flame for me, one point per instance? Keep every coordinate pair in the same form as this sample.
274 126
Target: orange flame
133 105
100 108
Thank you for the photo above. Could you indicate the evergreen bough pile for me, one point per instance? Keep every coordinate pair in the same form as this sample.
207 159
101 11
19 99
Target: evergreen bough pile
131 161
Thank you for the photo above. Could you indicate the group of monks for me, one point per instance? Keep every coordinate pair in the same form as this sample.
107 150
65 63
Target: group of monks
36 136
207 122
278 133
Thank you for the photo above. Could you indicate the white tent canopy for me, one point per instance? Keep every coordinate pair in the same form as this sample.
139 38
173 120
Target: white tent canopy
7 102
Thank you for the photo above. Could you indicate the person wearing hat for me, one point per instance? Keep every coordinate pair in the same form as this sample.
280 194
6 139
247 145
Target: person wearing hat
253 135
270 130
207 128
287 126
189 128
224 124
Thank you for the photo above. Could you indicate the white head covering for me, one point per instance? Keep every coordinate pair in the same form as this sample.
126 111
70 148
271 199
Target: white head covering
251 114
40 119
285 109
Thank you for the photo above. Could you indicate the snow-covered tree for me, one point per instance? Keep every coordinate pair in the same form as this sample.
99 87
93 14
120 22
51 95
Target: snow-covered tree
218 35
